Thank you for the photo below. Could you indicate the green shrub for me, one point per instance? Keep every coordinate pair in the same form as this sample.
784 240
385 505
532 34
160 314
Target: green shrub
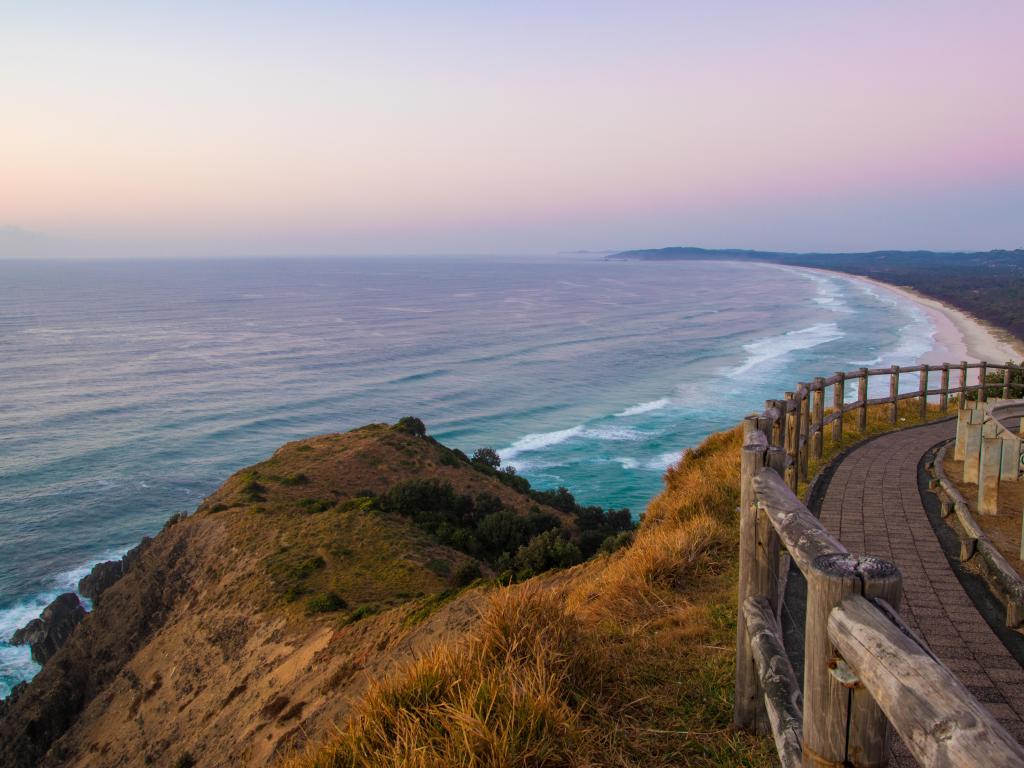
325 603
466 574
411 426
544 552
616 542
185 761
252 490
314 506
297 479
439 566
361 613
502 531
288 572
359 504
218 507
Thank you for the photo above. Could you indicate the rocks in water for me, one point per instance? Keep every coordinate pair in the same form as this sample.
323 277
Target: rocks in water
51 630
104 575
33 632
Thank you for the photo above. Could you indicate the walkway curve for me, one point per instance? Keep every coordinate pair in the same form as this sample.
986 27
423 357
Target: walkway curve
873 504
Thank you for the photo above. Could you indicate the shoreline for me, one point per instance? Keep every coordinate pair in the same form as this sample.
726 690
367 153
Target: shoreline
958 334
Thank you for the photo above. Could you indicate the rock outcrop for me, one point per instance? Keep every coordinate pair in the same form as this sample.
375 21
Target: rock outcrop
105 575
51 630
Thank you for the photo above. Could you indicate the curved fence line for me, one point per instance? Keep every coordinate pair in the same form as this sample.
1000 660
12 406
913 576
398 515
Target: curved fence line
797 423
863 668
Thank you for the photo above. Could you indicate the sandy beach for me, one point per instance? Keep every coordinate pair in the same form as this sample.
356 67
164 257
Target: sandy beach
958 335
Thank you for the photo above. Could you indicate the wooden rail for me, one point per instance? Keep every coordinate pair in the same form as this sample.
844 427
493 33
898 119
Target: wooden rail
863 669
797 423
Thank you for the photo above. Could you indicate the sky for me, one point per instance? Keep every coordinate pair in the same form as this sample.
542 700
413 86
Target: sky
239 128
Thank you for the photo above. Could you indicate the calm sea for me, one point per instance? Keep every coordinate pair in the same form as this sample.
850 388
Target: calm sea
131 390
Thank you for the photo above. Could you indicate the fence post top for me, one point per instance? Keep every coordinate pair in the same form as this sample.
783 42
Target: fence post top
845 564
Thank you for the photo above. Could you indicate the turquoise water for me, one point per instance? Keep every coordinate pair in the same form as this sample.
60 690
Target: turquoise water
133 389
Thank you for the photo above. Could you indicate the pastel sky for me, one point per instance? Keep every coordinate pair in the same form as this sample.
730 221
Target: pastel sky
484 127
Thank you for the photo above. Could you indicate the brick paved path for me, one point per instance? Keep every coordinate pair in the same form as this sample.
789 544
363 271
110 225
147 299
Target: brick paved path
873 505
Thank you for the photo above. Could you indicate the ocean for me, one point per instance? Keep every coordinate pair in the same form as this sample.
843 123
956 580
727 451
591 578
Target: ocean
132 389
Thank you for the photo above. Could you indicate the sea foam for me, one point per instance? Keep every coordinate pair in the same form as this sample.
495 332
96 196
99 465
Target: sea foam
773 349
653 405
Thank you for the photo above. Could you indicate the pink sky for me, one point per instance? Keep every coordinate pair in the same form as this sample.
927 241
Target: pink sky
457 127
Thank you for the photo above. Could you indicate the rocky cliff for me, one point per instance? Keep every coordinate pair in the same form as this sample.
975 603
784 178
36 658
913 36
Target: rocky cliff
240 629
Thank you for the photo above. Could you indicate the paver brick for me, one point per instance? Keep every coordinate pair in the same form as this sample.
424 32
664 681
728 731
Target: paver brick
873 504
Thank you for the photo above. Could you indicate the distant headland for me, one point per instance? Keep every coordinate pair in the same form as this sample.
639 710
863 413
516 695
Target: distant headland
986 284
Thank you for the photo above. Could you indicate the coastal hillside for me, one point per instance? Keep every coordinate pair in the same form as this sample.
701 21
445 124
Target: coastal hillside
341 604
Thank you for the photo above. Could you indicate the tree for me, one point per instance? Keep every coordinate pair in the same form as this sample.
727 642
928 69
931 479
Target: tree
502 532
487 457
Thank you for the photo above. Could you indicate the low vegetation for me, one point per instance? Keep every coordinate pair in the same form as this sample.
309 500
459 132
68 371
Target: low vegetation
627 660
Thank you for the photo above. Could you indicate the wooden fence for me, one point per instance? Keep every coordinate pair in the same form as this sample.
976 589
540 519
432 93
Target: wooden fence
863 668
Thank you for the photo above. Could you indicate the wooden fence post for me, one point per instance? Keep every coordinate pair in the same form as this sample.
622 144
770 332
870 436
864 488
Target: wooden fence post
894 394
982 395
792 436
1009 464
944 387
804 442
862 398
963 383
988 475
972 446
839 724
922 391
869 731
963 418
749 704
838 401
818 434
1006 382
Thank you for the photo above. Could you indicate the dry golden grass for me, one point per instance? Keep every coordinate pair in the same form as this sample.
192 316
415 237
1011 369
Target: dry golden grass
625 661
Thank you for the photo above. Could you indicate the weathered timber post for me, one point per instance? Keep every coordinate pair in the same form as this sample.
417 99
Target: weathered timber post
1022 537
1009 463
982 396
842 725
773 426
963 418
894 394
988 475
804 442
818 436
862 398
1006 382
963 383
778 436
838 401
922 391
749 705
944 387
972 447
792 437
